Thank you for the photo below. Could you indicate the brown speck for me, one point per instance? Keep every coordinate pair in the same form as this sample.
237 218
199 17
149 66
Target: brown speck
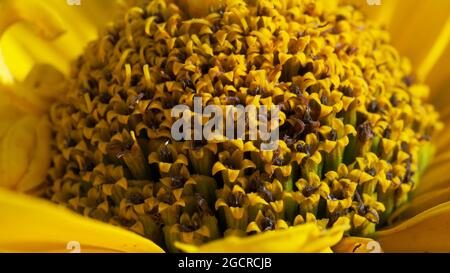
365 132
373 106
267 224
333 135
394 100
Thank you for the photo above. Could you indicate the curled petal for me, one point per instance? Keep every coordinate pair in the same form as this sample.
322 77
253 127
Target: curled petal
357 245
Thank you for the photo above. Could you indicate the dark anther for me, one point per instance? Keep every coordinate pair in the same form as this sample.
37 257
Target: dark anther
375 214
198 144
288 140
156 217
371 171
309 190
304 148
167 198
117 149
361 207
347 91
74 168
181 57
168 104
295 89
135 80
135 101
298 126
187 83
93 84
340 17
336 196
236 199
333 135
202 204
365 132
309 67
351 50
177 181
265 193
205 68
165 155
408 80
89 166
425 137
135 198
221 11
324 100
255 183
104 97
373 106
389 175
189 227
233 100
315 88
126 222
404 146
216 27
278 160
307 115
364 209
255 91
284 107
267 224
90 122
108 76
159 18
387 133
408 174
394 100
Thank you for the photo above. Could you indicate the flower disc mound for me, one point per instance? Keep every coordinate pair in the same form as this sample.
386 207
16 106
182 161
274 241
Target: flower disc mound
354 125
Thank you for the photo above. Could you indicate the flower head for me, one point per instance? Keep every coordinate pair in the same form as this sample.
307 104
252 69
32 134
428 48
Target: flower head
355 128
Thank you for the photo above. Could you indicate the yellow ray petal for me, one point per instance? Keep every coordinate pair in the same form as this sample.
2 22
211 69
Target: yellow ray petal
420 30
5 74
422 203
436 51
357 245
302 238
34 225
64 31
25 154
35 13
426 232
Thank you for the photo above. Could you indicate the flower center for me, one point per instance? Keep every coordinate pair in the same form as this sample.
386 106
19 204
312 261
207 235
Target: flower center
352 128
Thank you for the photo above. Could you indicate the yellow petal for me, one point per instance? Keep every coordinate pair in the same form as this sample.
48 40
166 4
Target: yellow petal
40 159
357 245
68 27
421 203
16 151
302 238
34 225
425 23
426 232
5 74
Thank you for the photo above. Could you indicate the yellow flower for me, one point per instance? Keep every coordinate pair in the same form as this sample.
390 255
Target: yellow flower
361 187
